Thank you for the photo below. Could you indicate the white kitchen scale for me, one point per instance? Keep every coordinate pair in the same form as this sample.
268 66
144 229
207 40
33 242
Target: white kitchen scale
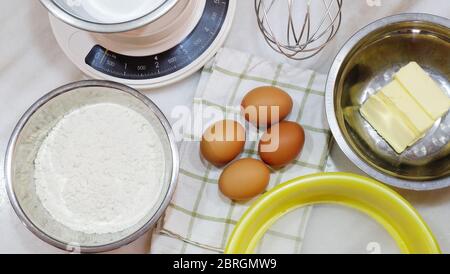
173 46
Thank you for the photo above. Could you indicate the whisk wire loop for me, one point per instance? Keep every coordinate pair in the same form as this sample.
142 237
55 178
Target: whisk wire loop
303 41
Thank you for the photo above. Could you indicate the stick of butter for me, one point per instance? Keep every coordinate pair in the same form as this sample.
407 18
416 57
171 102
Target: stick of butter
424 90
411 110
388 122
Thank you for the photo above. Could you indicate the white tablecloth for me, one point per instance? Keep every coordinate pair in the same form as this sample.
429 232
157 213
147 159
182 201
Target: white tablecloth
31 64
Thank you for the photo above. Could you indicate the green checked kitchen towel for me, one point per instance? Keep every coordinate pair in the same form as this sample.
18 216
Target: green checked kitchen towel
200 217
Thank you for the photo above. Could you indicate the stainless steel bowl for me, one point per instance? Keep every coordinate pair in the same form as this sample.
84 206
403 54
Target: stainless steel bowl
31 131
71 12
366 63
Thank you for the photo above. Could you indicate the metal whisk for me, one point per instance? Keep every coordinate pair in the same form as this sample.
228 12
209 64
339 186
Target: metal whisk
306 38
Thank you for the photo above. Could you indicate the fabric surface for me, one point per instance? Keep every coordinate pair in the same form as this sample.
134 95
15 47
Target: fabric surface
199 214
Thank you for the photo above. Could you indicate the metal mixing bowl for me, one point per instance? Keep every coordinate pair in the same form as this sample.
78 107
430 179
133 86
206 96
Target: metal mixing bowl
31 131
368 62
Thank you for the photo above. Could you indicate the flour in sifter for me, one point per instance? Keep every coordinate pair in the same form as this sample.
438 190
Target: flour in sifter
100 169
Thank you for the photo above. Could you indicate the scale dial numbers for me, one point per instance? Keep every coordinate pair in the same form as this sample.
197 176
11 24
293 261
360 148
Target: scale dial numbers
155 66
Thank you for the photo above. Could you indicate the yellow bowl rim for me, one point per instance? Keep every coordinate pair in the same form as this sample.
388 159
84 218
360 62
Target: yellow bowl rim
237 245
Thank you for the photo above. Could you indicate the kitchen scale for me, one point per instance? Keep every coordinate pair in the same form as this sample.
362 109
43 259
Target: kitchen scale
140 43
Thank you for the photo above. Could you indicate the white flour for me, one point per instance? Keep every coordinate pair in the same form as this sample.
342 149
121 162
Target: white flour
100 169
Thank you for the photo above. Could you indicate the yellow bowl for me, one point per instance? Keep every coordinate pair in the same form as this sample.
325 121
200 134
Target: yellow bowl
393 212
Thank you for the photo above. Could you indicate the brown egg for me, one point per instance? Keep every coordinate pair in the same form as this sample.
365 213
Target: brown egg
281 144
244 179
264 104
222 142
